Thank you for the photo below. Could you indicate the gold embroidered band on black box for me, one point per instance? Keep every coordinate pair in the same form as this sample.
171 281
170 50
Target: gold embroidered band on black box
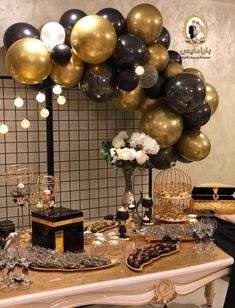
61 229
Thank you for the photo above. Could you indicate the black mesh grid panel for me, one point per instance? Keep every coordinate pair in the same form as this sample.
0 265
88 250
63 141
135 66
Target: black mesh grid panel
86 180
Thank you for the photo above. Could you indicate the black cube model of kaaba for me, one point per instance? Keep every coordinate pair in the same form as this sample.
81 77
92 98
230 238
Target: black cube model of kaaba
60 229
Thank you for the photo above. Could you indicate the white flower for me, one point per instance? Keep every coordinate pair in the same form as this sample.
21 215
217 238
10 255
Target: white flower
123 134
113 152
118 142
141 157
126 154
150 145
137 139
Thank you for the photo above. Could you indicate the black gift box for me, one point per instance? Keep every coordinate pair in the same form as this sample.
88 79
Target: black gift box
6 227
60 229
208 193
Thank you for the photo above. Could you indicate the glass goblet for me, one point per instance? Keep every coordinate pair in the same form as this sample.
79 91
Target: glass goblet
11 261
2 265
24 258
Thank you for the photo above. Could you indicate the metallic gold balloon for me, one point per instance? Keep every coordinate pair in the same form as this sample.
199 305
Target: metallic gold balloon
28 61
128 101
158 57
173 69
194 71
194 145
212 97
163 124
149 104
145 21
67 75
93 39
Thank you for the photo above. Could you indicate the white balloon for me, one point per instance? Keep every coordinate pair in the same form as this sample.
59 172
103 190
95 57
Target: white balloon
52 34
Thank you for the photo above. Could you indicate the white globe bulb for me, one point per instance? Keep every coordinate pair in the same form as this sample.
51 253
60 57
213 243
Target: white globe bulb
57 89
40 97
139 70
25 123
44 113
3 129
18 102
61 100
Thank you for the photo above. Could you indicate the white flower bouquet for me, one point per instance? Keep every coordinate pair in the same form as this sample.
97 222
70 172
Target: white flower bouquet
135 150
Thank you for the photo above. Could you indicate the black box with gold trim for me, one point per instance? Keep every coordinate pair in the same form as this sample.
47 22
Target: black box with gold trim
61 229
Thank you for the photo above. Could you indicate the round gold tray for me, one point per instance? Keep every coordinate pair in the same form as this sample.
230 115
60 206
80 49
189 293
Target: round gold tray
171 220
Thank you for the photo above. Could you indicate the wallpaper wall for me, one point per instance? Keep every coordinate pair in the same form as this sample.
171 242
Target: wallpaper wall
219 166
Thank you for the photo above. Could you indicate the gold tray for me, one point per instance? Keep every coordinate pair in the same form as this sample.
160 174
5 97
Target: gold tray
171 220
157 239
140 269
113 262
104 229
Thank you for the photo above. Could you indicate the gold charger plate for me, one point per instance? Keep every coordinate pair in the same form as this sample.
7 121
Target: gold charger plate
113 262
140 269
157 239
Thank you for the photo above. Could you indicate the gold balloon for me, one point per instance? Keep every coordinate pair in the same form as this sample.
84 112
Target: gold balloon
212 97
128 101
28 61
145 21
158 57
93 39
173 69
163 124
194 145
149 104
67 75
194 71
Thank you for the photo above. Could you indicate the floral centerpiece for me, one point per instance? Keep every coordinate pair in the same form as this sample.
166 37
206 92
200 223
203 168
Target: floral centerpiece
129 153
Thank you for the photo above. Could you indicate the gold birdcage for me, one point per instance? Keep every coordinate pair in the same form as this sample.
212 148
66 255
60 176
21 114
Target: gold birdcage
172 195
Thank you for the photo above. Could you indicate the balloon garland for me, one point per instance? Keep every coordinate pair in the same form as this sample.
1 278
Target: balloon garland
126 62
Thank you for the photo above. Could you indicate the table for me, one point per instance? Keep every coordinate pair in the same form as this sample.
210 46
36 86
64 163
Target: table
160 282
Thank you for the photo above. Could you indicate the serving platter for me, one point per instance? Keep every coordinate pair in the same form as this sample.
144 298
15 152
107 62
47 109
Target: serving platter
140 269
113 262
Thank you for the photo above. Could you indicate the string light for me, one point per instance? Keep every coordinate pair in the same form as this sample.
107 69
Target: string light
44 113
57 89
25 124
61 100
139 70
40 97
3 129
18 102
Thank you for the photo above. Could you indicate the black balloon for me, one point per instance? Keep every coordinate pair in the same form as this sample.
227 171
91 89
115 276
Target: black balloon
61 54
115 18
174 56
130 51
158 89
127 80
18 31
98 82
164 38
164 158
69 19
199 117
185 93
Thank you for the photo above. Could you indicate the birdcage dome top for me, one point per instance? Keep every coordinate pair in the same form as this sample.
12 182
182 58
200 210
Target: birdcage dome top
173 182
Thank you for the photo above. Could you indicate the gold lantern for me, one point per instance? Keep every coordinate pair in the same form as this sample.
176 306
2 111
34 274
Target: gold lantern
172 195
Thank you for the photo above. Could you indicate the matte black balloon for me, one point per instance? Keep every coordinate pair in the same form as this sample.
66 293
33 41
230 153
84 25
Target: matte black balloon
174 56
164 38
61 54
185 93
158 89
130 51
98 82
164 158
115 18
18 31
127 80
199 117
69 19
